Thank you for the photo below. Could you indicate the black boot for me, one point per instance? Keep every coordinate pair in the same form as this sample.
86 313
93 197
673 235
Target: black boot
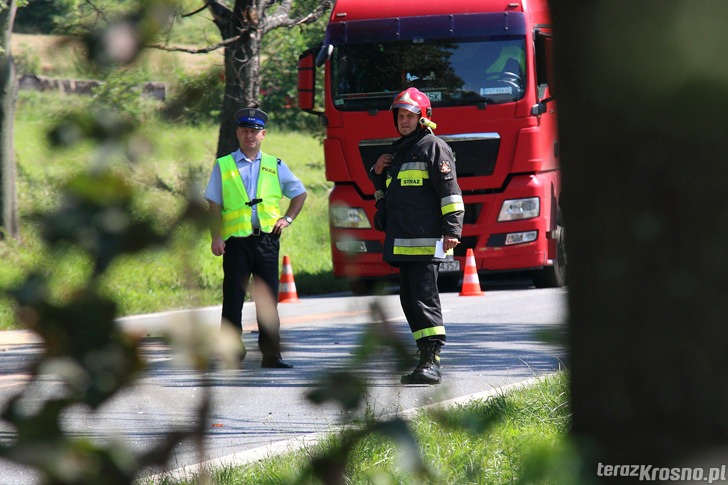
428 369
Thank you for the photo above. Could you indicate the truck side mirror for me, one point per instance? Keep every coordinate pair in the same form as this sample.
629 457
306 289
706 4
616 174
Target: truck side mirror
306 81
540 107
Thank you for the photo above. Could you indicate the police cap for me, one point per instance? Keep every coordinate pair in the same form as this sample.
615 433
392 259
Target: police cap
251 118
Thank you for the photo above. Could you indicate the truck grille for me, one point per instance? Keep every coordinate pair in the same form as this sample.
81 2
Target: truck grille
475 153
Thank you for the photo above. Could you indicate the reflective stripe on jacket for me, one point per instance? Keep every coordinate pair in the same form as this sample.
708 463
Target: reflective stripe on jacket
237 214
415 246
422 198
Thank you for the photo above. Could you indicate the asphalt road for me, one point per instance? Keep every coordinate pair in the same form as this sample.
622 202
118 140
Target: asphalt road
494 341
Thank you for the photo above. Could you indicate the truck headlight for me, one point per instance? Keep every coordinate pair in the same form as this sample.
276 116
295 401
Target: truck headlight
516 209
349 217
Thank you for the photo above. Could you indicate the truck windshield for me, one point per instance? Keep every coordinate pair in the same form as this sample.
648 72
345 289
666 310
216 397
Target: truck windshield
450 72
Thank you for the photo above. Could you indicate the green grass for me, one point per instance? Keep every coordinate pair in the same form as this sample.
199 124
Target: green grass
185 274
516 437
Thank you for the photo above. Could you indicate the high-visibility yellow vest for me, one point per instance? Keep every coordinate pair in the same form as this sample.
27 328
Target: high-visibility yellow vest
237 214
507 52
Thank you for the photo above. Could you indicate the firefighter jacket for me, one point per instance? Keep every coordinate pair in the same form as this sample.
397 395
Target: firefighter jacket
237 209
422 200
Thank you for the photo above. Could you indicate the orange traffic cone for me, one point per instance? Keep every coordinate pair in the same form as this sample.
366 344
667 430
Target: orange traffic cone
287 290
471 283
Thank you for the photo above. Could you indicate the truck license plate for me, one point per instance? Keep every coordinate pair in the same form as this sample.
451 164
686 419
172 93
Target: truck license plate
449 266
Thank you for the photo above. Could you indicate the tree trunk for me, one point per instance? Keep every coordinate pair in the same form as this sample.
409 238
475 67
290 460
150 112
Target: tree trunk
247 23
8 96
643 103
242 64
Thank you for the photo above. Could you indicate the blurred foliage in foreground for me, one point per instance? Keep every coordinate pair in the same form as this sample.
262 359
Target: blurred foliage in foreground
83 347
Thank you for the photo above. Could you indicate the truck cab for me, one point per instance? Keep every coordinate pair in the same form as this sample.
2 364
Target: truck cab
486 67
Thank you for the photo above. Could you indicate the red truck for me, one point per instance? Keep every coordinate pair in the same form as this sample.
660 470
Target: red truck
486 67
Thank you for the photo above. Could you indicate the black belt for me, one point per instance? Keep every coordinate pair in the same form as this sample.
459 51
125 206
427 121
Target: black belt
256 232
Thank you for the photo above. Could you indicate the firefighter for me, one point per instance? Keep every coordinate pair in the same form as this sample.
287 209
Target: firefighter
422 208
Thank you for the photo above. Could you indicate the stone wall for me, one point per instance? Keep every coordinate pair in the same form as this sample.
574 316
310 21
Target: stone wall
156 90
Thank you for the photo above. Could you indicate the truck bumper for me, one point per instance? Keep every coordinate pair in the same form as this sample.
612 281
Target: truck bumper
369 264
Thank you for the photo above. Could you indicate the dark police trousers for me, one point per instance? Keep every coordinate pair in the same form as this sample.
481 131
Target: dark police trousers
420 298
256 256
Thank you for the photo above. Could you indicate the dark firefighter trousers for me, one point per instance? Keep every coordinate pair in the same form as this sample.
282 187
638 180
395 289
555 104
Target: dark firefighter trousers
421 300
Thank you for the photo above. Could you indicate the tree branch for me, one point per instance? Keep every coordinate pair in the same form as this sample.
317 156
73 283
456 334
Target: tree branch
196 11
200 50
281 18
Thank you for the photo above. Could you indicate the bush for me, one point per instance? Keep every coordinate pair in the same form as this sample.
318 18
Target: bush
121 92
197 99
40 19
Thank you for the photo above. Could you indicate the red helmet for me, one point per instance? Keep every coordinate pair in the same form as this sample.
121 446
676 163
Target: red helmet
414 100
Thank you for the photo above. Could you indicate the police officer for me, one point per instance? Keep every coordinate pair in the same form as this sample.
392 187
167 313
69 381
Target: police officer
243 193
423 207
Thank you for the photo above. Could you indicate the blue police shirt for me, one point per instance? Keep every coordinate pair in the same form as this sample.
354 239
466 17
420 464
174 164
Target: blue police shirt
291 186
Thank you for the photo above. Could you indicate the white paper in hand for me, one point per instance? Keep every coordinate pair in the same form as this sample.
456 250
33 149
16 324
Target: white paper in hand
439 251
